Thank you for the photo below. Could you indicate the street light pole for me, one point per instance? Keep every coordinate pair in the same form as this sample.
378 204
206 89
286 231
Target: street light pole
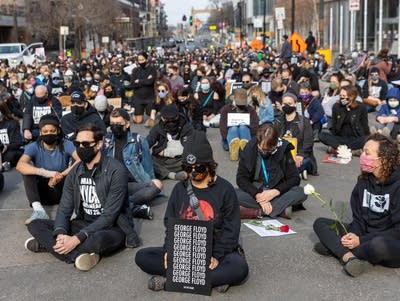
15 17
264 25
293 15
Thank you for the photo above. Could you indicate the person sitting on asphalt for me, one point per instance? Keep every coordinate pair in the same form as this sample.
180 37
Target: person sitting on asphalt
349 123
44 165
41 104
237 136
295 126
103 108
163 98
267 177
96 191
132 150
373 236
374 90
10 137
388 116
263 105
166 140
217 203
190 108
82 112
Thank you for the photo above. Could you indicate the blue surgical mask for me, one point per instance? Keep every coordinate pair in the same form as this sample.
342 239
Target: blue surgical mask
205 87
162 94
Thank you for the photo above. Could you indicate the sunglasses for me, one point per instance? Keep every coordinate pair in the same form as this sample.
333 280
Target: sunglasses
246 82
197 168
85 144
162 91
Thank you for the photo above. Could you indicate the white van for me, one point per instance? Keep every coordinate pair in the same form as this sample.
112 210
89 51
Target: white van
17 53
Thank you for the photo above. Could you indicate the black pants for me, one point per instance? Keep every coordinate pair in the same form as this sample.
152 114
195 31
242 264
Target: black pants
232 270
163 166
12 156
379 250
102 242
329 139
38 190
142 193
295 196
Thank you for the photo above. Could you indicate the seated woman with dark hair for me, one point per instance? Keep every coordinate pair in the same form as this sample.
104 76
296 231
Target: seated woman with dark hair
217 203
267 177
373 237
349 123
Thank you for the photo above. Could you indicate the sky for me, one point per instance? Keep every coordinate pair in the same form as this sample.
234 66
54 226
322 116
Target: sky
175 9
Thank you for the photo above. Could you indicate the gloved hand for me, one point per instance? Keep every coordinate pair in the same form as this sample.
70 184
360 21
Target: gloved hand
174 148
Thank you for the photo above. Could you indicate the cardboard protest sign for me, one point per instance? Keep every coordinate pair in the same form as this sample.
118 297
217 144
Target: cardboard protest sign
189 248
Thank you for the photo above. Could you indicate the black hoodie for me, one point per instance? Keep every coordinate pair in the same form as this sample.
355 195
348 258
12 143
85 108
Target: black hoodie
376 207
70 122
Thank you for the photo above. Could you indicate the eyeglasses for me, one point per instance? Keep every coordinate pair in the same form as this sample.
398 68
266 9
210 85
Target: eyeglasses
197 168
85 144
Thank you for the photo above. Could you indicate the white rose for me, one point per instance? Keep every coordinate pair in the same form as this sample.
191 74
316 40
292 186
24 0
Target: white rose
309 189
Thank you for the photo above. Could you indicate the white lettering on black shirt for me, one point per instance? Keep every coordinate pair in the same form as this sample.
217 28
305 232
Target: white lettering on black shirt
4 136
90 202
38 112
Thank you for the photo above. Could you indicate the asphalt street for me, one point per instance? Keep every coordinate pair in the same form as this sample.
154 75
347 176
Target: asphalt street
281 268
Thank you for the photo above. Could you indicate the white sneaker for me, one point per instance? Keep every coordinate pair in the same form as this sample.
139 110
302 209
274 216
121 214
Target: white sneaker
36 214
86 261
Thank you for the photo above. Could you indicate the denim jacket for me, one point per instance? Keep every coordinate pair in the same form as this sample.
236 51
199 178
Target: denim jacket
136 154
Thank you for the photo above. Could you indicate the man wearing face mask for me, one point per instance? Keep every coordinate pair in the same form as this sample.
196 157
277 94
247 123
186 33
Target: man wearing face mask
175 80
143 78
132 150
236 135
82 112
167 139
96 191
289 83
388 116
55 86
267 177
40 105
374 90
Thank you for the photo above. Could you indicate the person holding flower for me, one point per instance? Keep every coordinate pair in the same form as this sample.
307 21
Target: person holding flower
373 237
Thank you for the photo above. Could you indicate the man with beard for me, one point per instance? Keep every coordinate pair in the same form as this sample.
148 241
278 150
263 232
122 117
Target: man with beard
208 197
82 112
132 150
41 104
96 191
143 79
167 140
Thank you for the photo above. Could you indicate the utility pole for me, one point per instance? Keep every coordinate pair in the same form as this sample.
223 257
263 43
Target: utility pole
240 22
293 15
264 25
15 16
321 23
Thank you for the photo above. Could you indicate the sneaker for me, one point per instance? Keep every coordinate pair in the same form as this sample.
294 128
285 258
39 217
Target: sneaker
243 143
234 149
287 213
386 132
304 175
143 211
225 145
6 166
355 267
181 176
86 261
356 152
321 249
157 283
31 244
36 214
222 289
132 240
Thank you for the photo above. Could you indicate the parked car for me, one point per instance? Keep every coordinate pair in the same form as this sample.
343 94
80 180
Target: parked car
16 53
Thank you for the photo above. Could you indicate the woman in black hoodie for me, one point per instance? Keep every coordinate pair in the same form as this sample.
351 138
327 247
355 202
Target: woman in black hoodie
373 237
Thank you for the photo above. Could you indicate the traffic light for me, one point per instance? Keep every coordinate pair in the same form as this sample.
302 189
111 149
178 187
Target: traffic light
190 20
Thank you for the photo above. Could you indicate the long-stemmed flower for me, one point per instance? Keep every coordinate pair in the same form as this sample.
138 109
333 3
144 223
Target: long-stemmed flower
283 228
310 190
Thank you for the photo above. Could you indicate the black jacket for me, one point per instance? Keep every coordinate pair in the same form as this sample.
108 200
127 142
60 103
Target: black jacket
69 122
358 119
283 174
13 132
224 215
111 180
158 140
144 89
376 207
35 110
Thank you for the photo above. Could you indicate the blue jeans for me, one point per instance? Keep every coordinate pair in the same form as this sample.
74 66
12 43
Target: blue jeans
305 165
142 193
241 132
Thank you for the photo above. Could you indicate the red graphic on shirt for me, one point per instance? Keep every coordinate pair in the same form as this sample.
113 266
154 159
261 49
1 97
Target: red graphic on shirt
204 206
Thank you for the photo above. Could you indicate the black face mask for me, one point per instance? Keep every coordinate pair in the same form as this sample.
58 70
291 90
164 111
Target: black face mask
285 81
288 109
172 127
198 177
143 64
41 99
241 107
118 130
86 154
109 94
77 111
50 139
246 86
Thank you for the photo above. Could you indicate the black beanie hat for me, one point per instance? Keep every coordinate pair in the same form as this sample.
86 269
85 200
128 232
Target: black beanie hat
197 149
124 114
49 119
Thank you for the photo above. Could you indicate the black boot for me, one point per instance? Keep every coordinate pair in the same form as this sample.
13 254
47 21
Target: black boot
142 211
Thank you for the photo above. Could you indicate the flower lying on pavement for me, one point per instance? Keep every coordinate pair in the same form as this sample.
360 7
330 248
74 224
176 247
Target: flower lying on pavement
310 190
283 228
344 152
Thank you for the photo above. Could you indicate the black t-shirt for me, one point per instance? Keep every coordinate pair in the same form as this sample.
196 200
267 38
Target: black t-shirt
90 202
118 154
347 130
